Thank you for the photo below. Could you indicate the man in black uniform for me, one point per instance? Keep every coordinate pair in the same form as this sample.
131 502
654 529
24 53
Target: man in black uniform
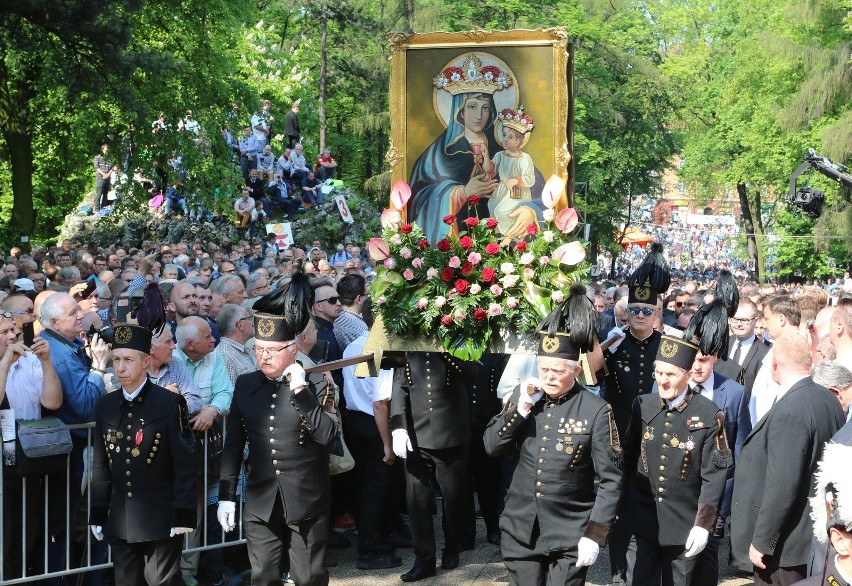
676 455
280 416
630 363
143 477
430 428
556 516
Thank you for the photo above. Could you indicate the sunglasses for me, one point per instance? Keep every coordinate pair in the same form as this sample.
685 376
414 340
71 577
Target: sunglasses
333 300
646 311
678 303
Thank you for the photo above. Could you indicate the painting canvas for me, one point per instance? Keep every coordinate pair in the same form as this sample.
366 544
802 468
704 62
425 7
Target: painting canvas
478 113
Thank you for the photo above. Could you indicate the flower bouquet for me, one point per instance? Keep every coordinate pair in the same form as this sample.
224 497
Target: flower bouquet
466 288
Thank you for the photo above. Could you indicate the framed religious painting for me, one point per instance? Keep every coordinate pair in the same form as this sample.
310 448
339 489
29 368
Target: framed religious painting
482 113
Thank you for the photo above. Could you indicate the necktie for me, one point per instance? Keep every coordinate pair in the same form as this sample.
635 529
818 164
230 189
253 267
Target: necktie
698 389
737 353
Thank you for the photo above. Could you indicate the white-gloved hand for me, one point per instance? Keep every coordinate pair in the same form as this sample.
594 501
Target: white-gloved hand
696 541
615 332
97 531
226 513
587 552
401 443
297 377
527 400
179 531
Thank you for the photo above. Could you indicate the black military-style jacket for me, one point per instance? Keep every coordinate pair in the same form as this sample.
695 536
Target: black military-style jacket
143 476
288 436
564 444
481 378
631 373
430 401
676 461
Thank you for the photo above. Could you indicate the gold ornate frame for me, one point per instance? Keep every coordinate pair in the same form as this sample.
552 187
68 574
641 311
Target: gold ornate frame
552 42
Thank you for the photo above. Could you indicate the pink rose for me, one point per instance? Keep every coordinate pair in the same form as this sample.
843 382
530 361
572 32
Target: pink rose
544 260
396 239
512 302
454 262
405 252
431 273
381 299
407 274
529 273
417 263
494 309
475 288
557 296
422 303
496 290
458 315
474 258
389 263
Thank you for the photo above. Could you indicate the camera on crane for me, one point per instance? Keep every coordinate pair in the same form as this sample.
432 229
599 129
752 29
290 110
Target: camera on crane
809 200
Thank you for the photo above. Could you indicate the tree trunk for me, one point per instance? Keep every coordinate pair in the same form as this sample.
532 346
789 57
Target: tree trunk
623 232
754 230
14 125
323 72
409 15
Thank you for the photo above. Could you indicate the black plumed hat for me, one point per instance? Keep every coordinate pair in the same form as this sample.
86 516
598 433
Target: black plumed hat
726 291
284 313
570 328
709 328
652 274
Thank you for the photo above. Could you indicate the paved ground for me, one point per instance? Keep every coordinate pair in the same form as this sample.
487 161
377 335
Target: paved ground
481 567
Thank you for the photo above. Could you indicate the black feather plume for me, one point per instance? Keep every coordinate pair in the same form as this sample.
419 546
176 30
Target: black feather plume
292 301
152 311
654 270
575 316
709 326
726 291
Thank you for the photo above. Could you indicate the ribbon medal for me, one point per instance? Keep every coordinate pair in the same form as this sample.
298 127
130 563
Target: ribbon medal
135 451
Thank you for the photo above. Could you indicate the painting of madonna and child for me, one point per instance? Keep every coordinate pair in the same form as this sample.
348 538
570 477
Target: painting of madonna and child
487 121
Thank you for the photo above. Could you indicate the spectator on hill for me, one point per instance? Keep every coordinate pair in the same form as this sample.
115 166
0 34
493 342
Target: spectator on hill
298 165
265 164
248 152
243 207
103 177
291 125
312 190
326 167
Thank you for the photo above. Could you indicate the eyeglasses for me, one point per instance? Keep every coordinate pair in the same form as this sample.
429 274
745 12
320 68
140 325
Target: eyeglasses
678 303
23 311
742 320
246 317
646 311
7 314
271 352
332 300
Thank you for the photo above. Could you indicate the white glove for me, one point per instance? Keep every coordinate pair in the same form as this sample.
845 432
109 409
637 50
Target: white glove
696 541
179 531
401 443
297 377
587 552
97 531
615 332
526 400
226 513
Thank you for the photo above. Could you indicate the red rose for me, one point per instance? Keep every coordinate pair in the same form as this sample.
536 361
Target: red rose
423 244
449 219
446 320
491 223
473 200
444 245
480 315
532 229
447 274
465 242
471 222
405 228
461 286
492 248
521 246
467 268
488 274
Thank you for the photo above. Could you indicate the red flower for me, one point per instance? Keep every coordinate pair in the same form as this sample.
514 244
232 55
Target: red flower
480 315
465 242
521 246
405 228
473 200
444 245
461 286
447 274
488 274
446 320
491 223
449 219
423 244
471 222
492 248
467 268
532 229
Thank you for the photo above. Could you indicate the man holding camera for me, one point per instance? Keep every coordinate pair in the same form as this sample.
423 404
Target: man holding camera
556 518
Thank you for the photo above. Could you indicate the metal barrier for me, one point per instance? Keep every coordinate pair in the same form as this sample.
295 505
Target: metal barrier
86 564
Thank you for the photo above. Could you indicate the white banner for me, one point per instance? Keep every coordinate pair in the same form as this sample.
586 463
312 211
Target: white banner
283 234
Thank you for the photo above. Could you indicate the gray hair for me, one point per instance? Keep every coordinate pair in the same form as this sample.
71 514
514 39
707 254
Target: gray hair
68 273
50 308
172 267
830 373
229 316
103 290
188 330
223 283
182 260
253 279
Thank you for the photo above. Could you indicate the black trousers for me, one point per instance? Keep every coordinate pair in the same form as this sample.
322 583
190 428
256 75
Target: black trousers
779 576
706 572
304 543
373 482
101 189
530 566
485 479
425 469
156 563
651 564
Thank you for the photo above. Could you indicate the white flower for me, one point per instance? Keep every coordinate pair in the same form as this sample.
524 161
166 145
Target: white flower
527 258
529 273
507 268
422 303
494 309
458 315
405 252
496 290
475 288
396 239
547 234
431 273
512 302
544 260
381 299
509 280
557 296
440 300
548 215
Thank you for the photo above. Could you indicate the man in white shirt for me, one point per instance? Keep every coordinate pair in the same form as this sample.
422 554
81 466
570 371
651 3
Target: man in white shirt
745 351
840 332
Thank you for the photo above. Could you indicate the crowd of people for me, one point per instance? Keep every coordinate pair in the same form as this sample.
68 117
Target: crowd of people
671 446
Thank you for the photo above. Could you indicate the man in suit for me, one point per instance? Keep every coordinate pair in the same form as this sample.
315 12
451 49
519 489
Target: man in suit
279 415
430 423
770 530
745 351
731 398
143 477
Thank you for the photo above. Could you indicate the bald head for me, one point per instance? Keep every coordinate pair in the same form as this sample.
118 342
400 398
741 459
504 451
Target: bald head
791 359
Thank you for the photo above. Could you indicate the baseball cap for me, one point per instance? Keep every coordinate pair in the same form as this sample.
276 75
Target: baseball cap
24 285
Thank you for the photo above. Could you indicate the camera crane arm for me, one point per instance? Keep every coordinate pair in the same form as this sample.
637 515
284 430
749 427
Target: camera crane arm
832 170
